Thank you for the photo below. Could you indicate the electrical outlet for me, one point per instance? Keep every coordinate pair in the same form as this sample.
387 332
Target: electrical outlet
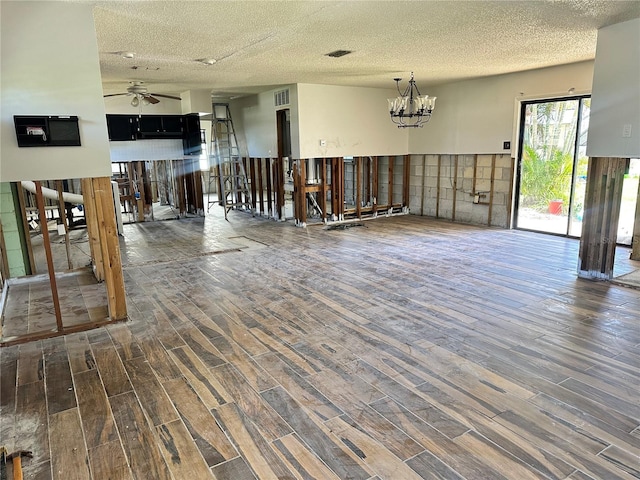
506 145
323 143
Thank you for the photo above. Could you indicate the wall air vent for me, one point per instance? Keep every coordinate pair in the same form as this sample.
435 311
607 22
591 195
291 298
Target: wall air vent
281 97
338 53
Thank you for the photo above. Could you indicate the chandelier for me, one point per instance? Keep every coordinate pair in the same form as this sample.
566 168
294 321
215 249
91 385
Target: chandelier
410 109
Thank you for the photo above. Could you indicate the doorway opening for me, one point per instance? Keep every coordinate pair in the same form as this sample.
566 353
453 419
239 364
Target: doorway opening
552 165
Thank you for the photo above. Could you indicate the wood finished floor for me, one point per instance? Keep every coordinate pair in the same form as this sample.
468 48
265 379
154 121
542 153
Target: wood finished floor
405 348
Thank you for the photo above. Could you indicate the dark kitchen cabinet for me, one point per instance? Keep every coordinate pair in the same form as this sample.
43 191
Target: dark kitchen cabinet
160 126
191 140
122 127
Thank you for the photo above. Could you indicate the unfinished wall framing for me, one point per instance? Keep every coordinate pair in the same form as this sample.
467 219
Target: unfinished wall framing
160 189
105 267
474 189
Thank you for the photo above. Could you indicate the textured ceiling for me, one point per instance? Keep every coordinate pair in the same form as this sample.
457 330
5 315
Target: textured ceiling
262 44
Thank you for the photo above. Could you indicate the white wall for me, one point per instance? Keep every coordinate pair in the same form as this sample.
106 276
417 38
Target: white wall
477 116
254 119
50 67
352 121
615 100
151 149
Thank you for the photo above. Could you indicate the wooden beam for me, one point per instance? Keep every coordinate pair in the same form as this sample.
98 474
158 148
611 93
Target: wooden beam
110 248
603 196
390 182
339 187
493 176
267 173
260 185
25 225
252 176
406 166
374 187
91 218
4 266
323 188
358 173
63 219
422 183
47 250
438 187
455 187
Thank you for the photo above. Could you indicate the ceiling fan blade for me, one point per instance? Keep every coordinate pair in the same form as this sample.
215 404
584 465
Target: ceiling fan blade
152 100
115 94
166 96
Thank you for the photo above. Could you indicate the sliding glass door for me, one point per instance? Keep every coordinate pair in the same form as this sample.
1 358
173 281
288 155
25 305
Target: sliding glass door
552 165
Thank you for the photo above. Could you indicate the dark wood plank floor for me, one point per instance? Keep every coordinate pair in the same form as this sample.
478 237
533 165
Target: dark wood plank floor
406 348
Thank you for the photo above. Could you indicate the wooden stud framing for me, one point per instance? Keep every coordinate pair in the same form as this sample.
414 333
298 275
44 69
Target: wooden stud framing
455 187
47 250
279 164
422 182
438 187
323 189
63 219
267 172
252 176
374 186
358 161
493 176
92 228
4 266
260 185
406 170
390 183
25 224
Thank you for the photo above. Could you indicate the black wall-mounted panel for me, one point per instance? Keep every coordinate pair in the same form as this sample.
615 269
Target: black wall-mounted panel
47 131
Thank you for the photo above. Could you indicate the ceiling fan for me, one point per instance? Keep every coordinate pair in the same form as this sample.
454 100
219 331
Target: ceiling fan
141 95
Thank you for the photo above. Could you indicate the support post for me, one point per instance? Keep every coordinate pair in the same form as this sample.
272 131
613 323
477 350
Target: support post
110 248
601 214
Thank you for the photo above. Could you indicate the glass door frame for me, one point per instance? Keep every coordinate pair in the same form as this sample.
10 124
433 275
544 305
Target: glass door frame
520 149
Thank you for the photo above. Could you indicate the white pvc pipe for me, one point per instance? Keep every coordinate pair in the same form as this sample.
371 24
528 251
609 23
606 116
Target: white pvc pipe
53 194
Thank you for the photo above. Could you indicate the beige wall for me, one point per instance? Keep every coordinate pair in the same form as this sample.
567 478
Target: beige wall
51 68
352 121
254 118
477 116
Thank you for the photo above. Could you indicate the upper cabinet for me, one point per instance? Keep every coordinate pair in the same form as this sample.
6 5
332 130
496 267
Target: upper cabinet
191 140
122 127
141 127
160 126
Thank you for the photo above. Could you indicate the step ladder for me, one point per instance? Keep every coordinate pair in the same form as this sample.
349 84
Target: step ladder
227 173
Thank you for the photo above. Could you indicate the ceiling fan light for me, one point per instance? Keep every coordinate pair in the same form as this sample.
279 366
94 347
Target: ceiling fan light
145 101
135 101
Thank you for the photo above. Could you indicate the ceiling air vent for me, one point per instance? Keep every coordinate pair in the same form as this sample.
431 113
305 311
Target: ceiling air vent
338 53
282 97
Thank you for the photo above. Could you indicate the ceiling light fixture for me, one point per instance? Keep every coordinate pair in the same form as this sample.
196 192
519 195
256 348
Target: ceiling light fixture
127 54
135 101
410 109
207 61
